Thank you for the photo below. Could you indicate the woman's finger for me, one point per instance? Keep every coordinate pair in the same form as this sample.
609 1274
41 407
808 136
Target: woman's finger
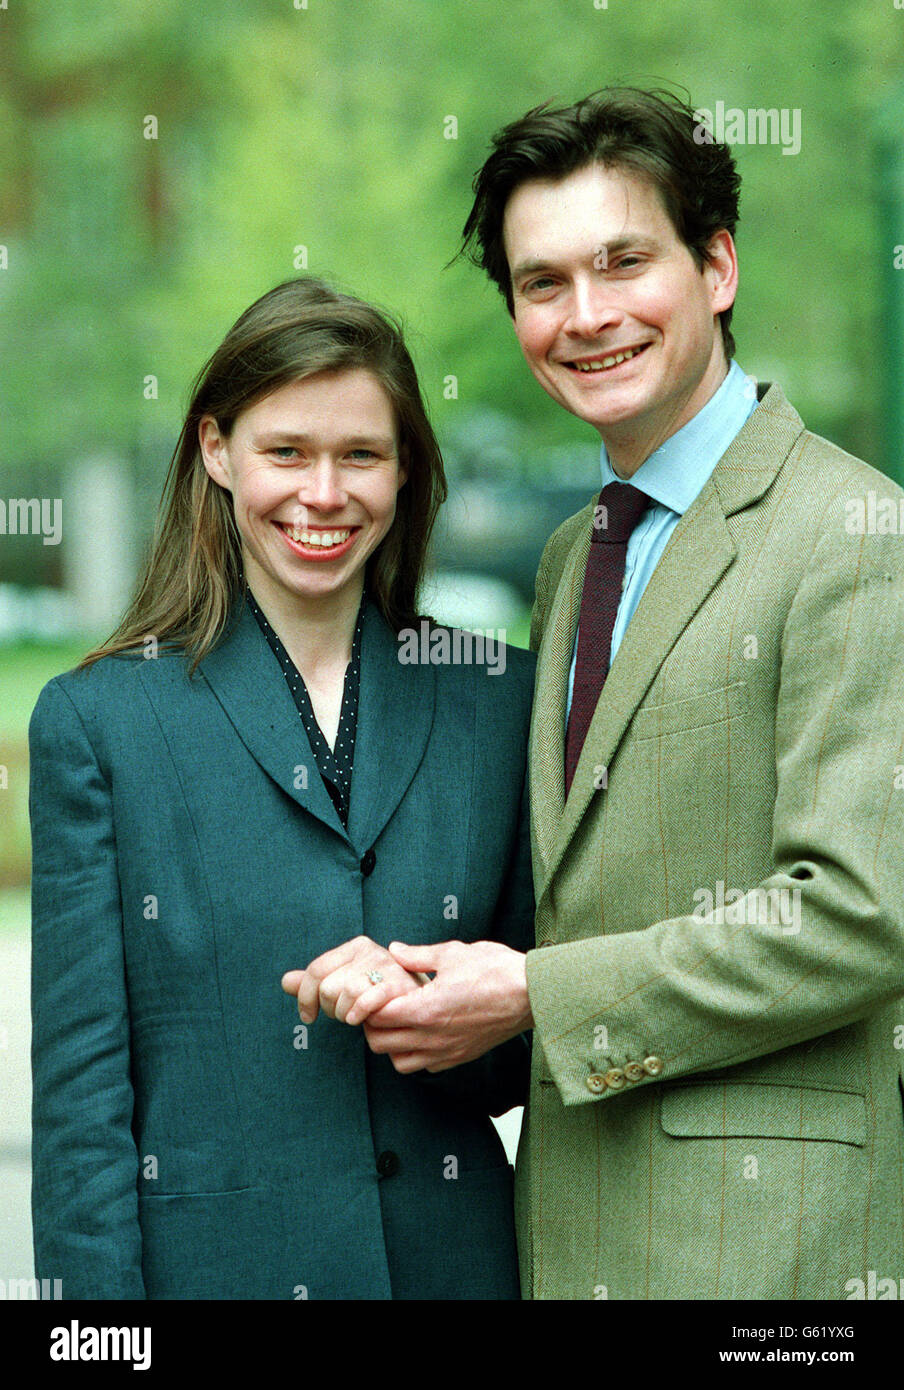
308 998
375 996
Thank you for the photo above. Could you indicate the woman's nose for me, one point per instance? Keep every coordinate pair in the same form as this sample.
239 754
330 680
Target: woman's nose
323 487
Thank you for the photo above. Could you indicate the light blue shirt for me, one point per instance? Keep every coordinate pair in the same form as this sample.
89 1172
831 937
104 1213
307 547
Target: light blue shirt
673 476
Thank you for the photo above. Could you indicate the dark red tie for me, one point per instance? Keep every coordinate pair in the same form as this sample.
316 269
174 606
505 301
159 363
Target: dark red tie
619 508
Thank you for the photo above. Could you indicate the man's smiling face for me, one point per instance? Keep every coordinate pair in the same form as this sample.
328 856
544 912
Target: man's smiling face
614 317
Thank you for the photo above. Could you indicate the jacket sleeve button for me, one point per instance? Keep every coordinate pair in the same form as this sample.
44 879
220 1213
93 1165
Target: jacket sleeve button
634 1071
596 1083
652 1065
615 1078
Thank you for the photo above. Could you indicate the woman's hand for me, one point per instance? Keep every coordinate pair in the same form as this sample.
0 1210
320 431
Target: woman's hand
339 982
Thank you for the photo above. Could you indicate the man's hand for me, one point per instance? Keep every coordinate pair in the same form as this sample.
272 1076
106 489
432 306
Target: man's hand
477 1000
338 982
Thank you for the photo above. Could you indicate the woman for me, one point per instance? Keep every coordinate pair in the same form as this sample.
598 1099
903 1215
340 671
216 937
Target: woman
245 776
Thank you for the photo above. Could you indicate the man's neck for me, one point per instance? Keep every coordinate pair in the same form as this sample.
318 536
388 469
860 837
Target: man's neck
630 443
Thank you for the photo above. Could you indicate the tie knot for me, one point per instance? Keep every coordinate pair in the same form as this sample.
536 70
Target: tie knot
618 510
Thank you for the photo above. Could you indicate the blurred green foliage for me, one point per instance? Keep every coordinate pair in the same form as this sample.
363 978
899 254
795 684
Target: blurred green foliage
325 126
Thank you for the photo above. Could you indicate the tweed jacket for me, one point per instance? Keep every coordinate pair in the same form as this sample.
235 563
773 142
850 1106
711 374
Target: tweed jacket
716 1098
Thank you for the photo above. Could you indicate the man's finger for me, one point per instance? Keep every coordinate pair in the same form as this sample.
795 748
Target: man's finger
411 1010
417 957
393 1040
406 1062
291 980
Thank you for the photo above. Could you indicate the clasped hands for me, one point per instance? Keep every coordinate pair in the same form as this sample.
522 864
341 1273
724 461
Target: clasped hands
476 999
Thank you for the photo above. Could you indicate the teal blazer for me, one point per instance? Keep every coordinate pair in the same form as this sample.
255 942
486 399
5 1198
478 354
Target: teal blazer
190 1138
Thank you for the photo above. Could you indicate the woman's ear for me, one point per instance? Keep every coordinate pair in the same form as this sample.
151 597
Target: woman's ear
214 451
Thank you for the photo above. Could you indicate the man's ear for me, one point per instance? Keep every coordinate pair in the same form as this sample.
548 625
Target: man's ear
721 265
214 451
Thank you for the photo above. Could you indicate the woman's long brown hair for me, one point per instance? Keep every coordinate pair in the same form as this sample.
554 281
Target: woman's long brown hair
193 574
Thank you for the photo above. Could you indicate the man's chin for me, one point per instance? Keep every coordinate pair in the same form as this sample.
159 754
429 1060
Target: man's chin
606 416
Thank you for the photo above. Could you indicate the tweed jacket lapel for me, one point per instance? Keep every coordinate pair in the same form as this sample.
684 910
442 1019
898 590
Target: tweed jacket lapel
699 552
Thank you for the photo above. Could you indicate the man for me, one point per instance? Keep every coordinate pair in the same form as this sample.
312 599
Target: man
716 1103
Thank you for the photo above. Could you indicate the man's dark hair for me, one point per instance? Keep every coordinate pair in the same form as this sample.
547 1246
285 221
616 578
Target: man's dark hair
650 133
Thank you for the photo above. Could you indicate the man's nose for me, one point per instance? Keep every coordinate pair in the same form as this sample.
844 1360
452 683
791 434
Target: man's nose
593 309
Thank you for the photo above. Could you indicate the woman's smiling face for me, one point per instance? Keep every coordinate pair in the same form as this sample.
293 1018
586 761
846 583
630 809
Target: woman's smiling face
314 470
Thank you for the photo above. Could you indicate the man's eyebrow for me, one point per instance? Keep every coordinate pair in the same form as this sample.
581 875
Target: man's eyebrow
529 267
621 243
632 239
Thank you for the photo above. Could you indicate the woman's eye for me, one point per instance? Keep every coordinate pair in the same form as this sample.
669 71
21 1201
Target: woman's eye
361 454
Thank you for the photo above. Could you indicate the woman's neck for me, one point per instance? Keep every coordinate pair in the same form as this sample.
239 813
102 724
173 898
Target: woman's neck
318 632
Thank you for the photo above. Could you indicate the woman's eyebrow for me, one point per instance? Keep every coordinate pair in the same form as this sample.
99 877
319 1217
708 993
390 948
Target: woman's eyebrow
352 441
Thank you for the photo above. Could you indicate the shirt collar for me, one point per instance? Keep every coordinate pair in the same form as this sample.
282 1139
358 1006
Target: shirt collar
675 473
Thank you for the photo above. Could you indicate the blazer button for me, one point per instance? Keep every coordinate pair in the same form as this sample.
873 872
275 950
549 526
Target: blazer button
652 1065
596 1083
615 1079
387 1163
634 1071
368 862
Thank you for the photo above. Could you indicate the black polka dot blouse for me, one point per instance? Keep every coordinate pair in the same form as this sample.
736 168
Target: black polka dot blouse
333 764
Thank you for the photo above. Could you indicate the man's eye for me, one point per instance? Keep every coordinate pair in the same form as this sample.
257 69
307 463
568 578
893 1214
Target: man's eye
543 282
284 451
628 262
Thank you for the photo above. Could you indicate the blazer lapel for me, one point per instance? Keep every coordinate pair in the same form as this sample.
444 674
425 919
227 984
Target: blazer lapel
395 719
547 734
699 552
246 679
394 722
